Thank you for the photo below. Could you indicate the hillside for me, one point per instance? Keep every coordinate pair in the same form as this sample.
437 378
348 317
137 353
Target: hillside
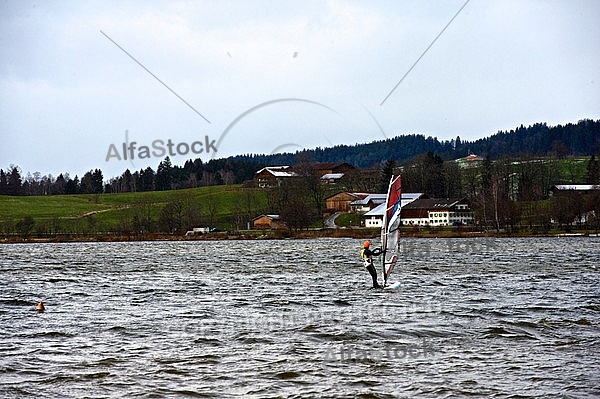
165 211
579 139
539 140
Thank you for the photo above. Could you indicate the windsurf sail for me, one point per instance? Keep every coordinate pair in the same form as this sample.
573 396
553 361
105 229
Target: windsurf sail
390 230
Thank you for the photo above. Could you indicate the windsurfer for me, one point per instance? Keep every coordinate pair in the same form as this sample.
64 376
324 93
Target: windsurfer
367 256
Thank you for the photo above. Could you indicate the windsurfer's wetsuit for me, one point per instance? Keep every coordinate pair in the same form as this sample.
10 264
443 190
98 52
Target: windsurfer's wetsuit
367 255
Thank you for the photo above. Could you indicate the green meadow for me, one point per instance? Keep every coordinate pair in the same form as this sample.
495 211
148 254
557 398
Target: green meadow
217 206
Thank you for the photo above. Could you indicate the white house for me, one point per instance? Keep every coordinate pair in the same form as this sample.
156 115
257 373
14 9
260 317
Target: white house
374 217
437 212
331 177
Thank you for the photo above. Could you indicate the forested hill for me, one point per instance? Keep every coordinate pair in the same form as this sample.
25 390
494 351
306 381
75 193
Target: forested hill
579 139
540 139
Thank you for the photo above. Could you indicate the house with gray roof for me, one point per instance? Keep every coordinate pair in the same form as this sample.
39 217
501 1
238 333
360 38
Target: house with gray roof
374 217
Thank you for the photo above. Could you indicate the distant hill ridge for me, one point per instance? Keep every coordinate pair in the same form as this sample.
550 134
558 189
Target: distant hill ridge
582 138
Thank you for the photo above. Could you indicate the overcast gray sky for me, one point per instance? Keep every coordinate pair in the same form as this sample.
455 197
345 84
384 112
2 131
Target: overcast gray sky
68 92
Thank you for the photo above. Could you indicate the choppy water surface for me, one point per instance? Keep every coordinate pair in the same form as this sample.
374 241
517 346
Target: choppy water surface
481 317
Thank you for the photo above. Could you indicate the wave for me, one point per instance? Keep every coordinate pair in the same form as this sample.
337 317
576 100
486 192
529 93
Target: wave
17 302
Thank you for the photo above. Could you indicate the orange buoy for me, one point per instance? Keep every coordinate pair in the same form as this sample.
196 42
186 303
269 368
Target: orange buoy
40 306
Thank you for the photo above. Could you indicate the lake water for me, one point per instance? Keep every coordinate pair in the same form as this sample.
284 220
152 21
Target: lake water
296 318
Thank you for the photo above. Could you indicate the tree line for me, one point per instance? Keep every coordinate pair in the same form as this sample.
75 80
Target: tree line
13 183
509 193
512 193
194 173
582 138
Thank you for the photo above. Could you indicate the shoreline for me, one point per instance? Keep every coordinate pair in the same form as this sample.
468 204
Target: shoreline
254 235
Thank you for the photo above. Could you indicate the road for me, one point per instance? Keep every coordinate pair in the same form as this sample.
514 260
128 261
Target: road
330 221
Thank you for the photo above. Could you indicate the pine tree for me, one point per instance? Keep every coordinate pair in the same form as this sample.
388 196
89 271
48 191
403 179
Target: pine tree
3 183
593 171
14 182
163 175
72 186
387 171
147 179
97 182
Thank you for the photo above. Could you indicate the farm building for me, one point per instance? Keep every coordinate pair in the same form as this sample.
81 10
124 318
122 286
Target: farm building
268 222
272 176
340 202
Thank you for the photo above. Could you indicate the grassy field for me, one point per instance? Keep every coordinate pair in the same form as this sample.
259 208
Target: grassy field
110 212
348 220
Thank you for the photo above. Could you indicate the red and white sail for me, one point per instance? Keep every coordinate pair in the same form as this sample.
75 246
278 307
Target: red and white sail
390 231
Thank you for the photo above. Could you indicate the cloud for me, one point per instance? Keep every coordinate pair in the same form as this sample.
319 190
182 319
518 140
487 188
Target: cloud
67 92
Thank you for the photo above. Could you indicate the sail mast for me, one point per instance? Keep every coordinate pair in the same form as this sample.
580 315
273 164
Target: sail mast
384 225
391 225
